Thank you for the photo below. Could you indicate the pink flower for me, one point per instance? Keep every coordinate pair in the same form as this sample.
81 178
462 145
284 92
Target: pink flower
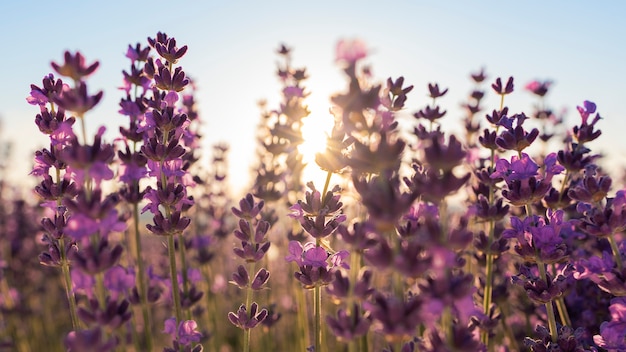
350 50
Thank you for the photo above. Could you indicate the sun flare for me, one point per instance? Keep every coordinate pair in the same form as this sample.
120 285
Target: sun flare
315 130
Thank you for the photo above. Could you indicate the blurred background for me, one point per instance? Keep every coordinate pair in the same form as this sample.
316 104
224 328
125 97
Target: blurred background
232 59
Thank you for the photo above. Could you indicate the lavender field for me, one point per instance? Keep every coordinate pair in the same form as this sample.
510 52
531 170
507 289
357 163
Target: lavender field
506 234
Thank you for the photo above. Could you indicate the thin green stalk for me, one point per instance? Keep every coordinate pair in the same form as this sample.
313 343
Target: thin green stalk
174 279
560 304
67 283
302 326
65 270
317 313
100 291
211 311
326 184
363 345
487 296
246 332
183 267
549 308
141 280
563 314
617 257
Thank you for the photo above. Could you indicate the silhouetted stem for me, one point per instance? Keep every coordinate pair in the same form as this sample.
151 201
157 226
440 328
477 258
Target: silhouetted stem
67 283
317 313
617 257
174 279
549 308
141 280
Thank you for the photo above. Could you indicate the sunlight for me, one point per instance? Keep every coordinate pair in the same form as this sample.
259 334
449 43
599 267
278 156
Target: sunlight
315 130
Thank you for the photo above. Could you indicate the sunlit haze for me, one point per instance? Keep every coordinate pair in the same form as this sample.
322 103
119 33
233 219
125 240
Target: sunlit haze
232 59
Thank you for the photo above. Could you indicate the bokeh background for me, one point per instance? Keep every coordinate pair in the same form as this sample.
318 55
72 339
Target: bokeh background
579 45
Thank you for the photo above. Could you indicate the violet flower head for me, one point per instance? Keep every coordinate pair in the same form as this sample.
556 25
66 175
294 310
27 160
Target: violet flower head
248 207
75 66
350 51
515 137
112 315
77 99
586 131
244 320
171 81
359 236
607 220
538 290
90 340
586 110
593 188
479 76
612 332
435 92
168 50
516 170
539 88
185 333
394 317
444 157
430 113
137 53
349 324
384 199
503 90
50 88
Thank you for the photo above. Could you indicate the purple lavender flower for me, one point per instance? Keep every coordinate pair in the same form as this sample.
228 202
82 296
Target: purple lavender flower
112 314
46 94
612 332
568 340
75 67
349 324
315 264
90 340
539 88
603 272
585 132
503 90
350 51
244 320
515 137
394 317
185 333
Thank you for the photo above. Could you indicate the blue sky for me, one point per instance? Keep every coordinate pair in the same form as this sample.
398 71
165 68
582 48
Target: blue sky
232 57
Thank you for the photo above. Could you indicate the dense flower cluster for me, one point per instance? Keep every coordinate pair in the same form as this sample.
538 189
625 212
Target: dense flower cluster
504 238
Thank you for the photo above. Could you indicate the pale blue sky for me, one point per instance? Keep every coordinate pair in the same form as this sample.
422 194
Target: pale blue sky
580 45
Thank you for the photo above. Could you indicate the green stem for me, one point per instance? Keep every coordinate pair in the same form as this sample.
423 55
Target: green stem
141 280
100 291
174 279
83 128
317 312
565 180
549 308
488 280
489 256
183 267
65 269
326 184
246 340
563 314
616 255
246 332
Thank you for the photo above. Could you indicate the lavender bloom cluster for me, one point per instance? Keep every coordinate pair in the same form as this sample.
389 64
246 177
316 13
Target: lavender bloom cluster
509 237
